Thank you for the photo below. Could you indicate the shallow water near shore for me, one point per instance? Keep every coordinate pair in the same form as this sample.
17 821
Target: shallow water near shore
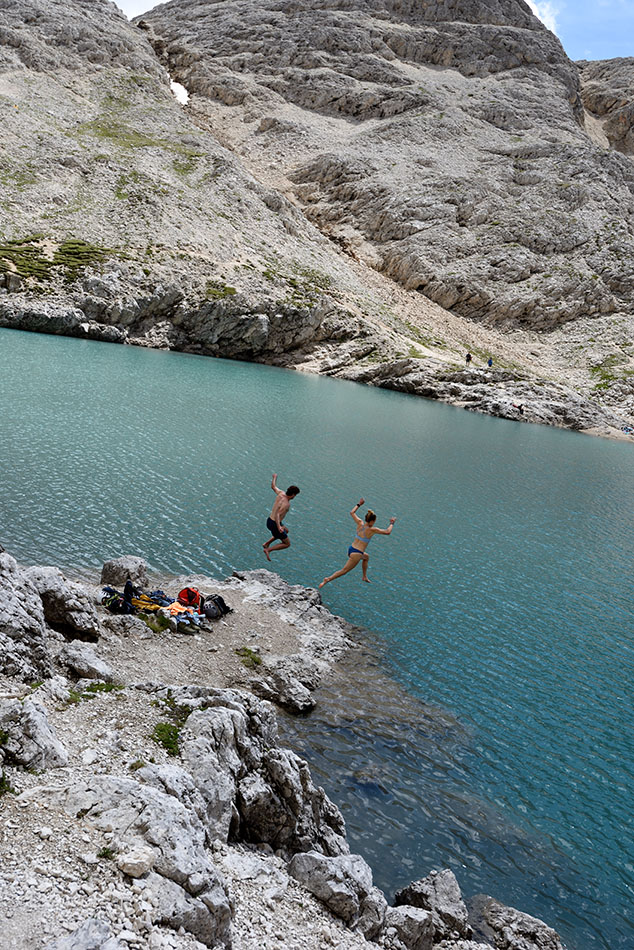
503 600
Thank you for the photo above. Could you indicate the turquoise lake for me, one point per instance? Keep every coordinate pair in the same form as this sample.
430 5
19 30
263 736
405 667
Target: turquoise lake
489 726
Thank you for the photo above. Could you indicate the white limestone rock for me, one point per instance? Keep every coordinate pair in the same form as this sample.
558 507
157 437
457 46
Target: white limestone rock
28 739
137 860
438 893
413 926
93 934
120 569
24 649
508 929
67 606
82 660
133 811
344 885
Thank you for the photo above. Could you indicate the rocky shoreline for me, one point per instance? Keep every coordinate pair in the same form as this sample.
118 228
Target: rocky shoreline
504 393
145 800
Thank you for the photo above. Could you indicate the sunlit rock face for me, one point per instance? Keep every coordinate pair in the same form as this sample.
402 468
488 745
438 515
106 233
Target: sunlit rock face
442 142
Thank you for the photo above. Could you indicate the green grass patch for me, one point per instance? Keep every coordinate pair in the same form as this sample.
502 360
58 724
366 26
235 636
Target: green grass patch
105 128
166 734
136 765
216 290
605 373
102 688
305 286
248 658
106 852
5 785
27 257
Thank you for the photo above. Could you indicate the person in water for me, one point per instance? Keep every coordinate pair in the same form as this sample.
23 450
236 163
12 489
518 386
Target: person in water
279 531
357 550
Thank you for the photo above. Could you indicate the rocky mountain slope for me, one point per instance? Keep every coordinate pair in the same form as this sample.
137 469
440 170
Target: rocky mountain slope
354 188
165 814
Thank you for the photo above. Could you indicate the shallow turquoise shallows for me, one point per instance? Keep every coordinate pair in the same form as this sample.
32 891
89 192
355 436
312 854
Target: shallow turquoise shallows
504 597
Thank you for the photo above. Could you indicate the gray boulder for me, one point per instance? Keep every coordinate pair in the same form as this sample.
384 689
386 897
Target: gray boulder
438 893
281 687
82 660
413 926
508 929
279 804
23 635
68 607
117 571
27 738
344 885
177 908
92 935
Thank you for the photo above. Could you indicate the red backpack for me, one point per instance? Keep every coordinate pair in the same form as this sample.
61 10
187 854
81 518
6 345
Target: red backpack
191 597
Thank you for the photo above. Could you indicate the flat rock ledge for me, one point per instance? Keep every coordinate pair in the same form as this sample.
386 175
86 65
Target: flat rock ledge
165 814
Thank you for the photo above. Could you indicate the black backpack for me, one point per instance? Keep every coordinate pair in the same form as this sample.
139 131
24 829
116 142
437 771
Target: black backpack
214 607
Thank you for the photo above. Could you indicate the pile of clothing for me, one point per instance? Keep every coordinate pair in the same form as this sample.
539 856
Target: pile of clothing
184 613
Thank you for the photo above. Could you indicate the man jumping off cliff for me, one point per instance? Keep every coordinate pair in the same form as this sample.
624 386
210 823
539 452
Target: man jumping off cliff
280 508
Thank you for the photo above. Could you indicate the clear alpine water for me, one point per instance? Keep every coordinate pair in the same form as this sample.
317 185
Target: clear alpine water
487 723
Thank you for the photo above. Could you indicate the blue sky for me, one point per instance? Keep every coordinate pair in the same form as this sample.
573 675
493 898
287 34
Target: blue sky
588 29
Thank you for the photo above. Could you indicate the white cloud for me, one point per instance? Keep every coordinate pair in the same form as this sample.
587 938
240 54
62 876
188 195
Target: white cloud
546 11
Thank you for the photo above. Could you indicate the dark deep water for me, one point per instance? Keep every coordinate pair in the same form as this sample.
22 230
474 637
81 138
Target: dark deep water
489 727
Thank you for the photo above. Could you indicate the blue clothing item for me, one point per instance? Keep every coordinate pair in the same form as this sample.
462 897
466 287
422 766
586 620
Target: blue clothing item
352 550
365 540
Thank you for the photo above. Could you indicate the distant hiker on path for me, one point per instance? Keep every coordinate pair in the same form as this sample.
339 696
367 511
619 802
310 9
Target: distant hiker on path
490 362
279 511
468 358
356 551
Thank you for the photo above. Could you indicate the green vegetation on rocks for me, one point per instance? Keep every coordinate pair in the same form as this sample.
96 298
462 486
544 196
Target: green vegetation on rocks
216 290
5 785
250 659
166 734
30 257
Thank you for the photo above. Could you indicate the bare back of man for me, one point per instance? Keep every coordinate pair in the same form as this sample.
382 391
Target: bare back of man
275 522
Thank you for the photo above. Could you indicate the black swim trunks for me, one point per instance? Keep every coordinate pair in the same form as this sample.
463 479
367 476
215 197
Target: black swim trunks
277 534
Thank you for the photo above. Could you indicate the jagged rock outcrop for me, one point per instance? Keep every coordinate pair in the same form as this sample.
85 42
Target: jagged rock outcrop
129 223
83 662
92 935
503 393
27 738
23 638
412 925
607 90
513 215
67 606
344 884
253 790
508 929
222 798
439 893
134 811
442 145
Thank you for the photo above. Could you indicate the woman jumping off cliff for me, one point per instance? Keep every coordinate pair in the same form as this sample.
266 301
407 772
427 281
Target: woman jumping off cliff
356 551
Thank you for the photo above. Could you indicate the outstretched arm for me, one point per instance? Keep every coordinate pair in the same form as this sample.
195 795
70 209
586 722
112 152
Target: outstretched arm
386 530
278 491
355 509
